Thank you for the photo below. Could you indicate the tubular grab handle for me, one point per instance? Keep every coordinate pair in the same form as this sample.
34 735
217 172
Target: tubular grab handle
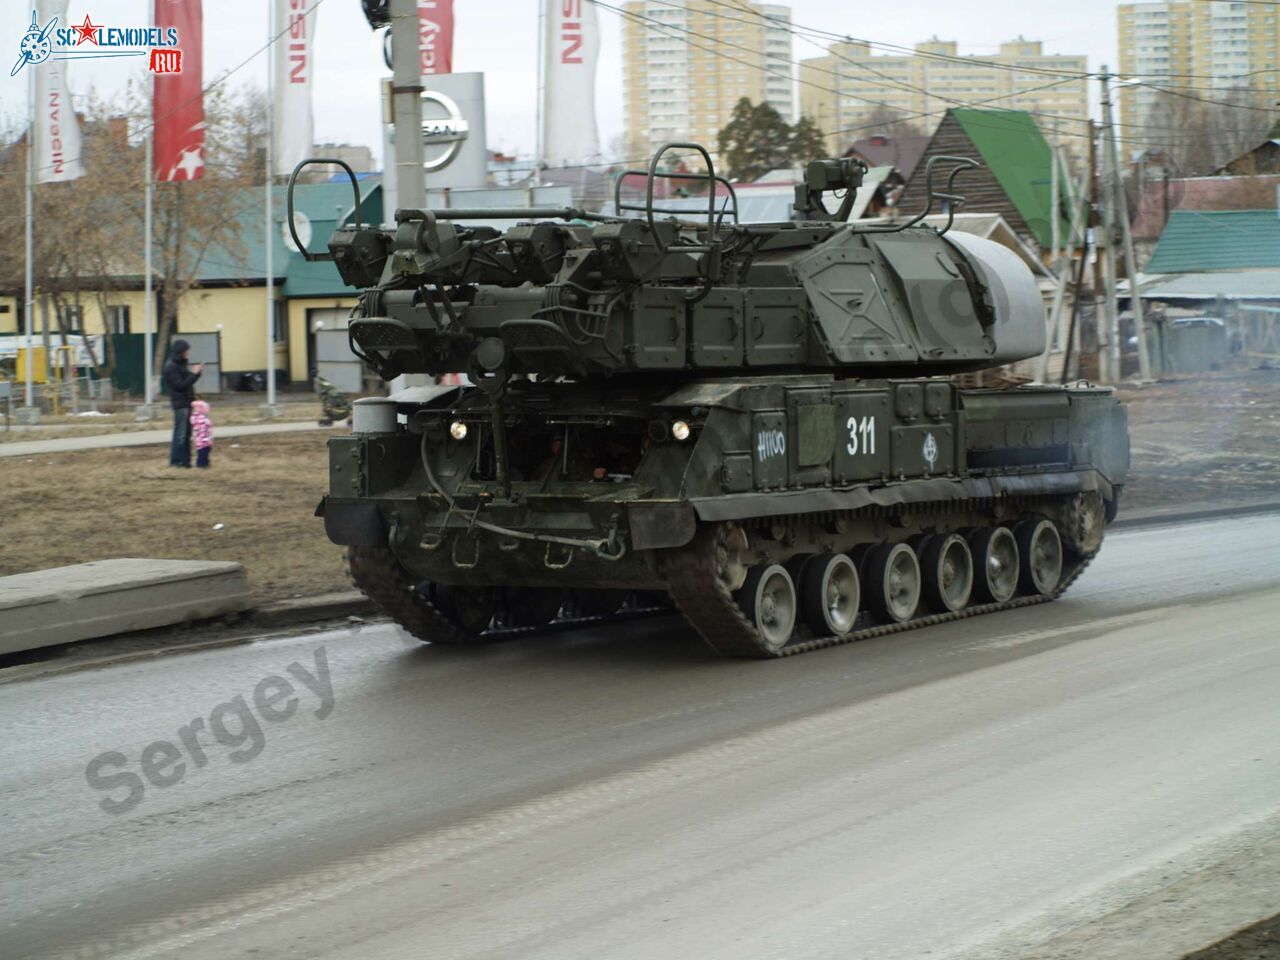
293 182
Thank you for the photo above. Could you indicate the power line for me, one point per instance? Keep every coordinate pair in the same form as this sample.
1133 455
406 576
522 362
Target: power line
1255 3
654 24
883 45
658 25
966 59
1218 103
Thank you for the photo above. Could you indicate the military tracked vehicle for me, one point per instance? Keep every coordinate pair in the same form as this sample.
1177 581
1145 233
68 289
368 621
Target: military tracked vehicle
759 421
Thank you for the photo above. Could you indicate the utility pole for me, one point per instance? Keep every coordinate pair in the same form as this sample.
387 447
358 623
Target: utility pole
406 105
1053 203
1108 318
406 122
1056 331
542 92
1120 206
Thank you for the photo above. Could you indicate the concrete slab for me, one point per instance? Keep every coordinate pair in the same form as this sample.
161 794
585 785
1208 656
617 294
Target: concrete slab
107 597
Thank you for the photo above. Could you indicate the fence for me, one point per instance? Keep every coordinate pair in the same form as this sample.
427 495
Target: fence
75 395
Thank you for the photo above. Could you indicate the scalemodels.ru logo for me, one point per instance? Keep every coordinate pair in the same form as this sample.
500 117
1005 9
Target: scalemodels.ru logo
89 39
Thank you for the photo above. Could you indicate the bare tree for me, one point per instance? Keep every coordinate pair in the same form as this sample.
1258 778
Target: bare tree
89 239
890 122
1201 131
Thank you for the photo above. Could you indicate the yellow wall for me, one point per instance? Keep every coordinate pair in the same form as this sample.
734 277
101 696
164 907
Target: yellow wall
9 321
297 310
135 300
240 310
240 314
91 307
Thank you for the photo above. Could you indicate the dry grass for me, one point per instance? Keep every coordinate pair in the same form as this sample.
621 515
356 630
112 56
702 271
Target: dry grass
69 508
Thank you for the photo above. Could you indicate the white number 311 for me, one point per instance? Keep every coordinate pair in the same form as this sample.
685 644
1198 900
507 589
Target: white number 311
867 428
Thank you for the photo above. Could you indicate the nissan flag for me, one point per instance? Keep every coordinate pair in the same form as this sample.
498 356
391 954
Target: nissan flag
293 130
435 36
177 102
57 133
571 47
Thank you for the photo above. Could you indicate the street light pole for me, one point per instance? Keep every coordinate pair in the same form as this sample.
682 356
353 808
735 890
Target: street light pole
406 105
269 409
29 302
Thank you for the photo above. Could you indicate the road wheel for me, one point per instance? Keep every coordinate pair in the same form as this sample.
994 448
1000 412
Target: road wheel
830 594
1041 550
768 598
947 567
995 556
470 609
893 582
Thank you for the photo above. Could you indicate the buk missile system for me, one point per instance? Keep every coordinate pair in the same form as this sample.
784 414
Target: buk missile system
760 422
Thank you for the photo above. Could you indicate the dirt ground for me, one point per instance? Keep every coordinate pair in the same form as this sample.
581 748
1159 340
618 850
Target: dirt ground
73 507
1208 439
1212 439
1258 942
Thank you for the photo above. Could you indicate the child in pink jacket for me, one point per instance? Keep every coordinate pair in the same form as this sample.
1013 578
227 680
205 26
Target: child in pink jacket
201 431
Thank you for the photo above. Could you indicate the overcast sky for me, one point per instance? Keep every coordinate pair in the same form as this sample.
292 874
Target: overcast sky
498 38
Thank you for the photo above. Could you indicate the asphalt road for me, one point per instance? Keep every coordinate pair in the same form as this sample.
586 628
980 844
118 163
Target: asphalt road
1098 777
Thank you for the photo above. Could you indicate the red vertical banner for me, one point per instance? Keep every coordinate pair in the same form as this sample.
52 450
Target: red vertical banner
435 36
177 102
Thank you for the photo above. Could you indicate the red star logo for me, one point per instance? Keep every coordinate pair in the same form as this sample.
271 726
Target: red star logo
87 30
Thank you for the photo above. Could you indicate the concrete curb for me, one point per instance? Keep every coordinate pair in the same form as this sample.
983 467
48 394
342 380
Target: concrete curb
1152 518
326 606
279 620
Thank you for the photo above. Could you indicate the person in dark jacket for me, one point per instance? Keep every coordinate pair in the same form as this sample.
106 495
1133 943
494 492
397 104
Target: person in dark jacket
181 382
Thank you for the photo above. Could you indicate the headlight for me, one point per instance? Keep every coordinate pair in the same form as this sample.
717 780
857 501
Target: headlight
458 430
680 430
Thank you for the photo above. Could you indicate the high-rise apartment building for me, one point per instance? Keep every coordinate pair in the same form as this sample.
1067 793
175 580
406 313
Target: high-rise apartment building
686 63
846 90
1155 43
1198 47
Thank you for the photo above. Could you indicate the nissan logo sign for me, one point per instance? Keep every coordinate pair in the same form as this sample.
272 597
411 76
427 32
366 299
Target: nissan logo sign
448 131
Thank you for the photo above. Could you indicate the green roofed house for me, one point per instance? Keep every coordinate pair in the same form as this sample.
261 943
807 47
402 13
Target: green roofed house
1199 241
228 296
1216 257
1015 177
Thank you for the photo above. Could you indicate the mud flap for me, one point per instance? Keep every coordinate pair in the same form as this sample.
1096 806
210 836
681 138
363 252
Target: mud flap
658 526
353 524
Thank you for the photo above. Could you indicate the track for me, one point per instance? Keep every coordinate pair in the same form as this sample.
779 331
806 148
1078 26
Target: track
713 610
694 587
